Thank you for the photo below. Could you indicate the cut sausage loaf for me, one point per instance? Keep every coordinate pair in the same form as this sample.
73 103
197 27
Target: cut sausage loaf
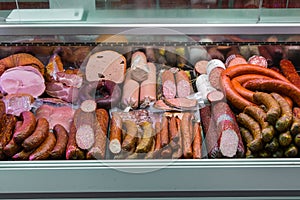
168 84
183 85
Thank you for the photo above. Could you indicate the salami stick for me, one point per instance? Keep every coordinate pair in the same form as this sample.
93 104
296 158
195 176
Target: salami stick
173 129
73 152
187 135
115 135
197 142
178 152
164 134
157 147
289 71
98 149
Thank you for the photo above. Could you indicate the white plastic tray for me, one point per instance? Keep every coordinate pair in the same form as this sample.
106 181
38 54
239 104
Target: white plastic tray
44 15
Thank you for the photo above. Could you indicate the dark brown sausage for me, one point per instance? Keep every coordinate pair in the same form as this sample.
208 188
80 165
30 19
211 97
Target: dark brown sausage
130 139
12 147
44 150
61 135
27 127
178 152
289 71
22 155
7 132
98 149
38 136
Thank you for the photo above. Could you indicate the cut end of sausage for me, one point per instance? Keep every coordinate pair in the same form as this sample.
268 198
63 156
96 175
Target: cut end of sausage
215 96
115 146
169 89
88 106
229 143
85 136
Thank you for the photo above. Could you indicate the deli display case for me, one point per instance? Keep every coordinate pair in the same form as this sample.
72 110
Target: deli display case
150 99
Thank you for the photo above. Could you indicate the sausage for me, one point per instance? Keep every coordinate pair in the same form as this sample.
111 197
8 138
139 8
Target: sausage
166 152
232 95
235 59
215 96
23 155
252 69
253 126
215 54
285 139
284 122
229 139
115 134
247 138
237 81
148 87
130 139
73 152
173 131
60 147
277 86
2 113
273 145
200 67
44 150
12 147
101 125
145 144
157 147
186 135
38 136
164 133
197 142
168 84
289 71
7 132
183 85
84 122
259 115
258 60
263 51
139 68
130 97
151 153
27 128
291 151
178 152
272 106
214 77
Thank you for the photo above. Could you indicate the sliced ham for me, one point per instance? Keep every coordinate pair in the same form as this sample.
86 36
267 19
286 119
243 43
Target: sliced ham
23 80
56 115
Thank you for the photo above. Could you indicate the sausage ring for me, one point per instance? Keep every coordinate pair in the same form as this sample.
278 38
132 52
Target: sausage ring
106 93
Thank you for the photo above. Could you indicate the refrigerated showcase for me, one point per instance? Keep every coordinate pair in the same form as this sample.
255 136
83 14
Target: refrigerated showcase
204 25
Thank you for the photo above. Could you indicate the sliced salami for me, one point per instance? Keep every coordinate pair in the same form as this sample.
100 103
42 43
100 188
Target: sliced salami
258 60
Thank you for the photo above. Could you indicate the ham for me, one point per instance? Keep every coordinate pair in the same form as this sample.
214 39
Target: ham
56 115
23 80
63 92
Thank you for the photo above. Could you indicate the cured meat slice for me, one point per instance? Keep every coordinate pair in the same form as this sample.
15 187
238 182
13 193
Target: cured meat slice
181 103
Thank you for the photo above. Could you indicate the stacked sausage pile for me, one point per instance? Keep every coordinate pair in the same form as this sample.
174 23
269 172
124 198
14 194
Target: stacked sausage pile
174 135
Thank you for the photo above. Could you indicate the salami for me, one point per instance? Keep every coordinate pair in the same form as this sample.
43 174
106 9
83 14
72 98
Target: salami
183 85
168 84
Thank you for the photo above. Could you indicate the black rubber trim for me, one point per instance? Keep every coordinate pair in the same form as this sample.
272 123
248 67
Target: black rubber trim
164 194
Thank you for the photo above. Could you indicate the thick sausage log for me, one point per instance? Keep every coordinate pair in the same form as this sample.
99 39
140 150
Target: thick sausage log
101 125
229 141
183 85
148 87
12 147
168 84
73 152
7 132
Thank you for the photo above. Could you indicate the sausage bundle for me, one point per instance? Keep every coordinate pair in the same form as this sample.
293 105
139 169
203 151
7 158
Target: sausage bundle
155 136
270 128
